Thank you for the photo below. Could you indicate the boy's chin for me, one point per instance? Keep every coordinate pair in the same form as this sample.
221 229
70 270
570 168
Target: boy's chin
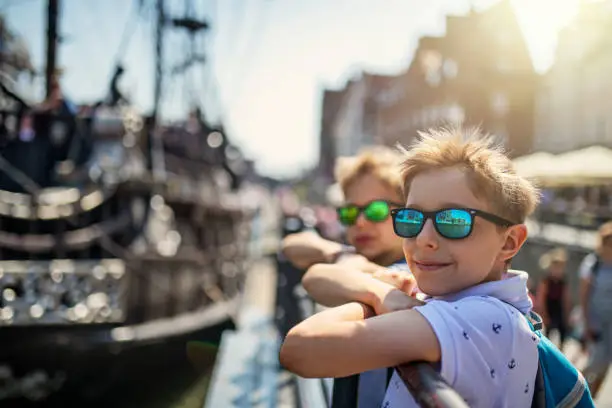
437 288
373 254
431 287
436 291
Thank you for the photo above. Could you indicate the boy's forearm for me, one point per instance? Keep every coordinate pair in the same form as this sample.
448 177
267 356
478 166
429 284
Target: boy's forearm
334 285
296 350
348 339
349 312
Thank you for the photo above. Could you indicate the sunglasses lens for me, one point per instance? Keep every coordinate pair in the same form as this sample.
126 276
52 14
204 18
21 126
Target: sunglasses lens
408 223
454 224
377 211
348 215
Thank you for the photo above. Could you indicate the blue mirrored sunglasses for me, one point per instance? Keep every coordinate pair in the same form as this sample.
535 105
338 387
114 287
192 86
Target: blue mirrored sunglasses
450 223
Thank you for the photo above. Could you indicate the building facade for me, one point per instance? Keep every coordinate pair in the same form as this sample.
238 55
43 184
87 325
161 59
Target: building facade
573 104
479 73
349 120
332 101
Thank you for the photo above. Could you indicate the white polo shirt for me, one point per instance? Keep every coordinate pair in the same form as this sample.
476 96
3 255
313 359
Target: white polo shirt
489 353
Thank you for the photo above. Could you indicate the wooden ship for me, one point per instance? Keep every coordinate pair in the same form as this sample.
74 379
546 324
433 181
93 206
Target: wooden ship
118 236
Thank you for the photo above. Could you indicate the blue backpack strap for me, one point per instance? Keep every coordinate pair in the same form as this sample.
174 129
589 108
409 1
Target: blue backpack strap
539 388
535 321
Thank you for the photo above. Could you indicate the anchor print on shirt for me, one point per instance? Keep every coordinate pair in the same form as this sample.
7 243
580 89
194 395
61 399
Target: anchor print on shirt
496 327
526 388
465 335
492 373
512 364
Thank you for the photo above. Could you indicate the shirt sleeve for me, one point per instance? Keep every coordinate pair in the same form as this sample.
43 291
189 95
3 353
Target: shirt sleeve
586 266
479 346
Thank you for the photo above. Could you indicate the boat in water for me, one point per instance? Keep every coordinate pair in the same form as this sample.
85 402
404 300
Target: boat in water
116 246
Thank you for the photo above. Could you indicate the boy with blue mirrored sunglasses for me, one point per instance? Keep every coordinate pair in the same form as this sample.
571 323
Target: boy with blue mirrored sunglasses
462 223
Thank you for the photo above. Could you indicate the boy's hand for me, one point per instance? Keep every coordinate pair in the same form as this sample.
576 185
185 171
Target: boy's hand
358 262
394 300
304 249
399 279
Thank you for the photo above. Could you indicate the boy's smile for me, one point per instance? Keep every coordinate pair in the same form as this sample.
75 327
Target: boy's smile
431 266
442 266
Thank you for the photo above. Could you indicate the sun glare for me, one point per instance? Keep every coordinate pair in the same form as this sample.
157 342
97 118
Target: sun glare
541 21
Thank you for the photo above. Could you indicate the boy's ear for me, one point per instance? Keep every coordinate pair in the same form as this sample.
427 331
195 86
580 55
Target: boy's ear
516 236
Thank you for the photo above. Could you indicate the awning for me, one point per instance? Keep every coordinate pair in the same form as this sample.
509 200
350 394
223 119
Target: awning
589 166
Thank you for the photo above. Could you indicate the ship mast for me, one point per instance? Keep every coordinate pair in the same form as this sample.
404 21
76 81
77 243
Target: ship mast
193 27
159 67
52 40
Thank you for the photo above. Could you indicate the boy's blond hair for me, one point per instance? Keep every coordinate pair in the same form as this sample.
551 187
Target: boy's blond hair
490 172
378 161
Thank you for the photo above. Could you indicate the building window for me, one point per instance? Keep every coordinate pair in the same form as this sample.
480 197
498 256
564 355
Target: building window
433 78
455 114
450 68
499 103
431 60
431 63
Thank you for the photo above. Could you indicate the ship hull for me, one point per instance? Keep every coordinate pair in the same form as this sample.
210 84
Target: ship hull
45 365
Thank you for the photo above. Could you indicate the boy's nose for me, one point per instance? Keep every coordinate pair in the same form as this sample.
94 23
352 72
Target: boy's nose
361 220
428 237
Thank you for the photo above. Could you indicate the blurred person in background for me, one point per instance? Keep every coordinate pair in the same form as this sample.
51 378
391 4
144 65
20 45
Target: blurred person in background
371 269
553 295
596 304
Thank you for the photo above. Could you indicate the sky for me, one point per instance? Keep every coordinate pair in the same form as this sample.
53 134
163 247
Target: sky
268 60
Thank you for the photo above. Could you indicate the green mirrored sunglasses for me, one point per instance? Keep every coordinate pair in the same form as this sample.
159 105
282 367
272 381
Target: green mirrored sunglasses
375 211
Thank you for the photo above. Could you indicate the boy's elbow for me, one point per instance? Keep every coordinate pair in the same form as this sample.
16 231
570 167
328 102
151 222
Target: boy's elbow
292 356
295 255
310 278
286 247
